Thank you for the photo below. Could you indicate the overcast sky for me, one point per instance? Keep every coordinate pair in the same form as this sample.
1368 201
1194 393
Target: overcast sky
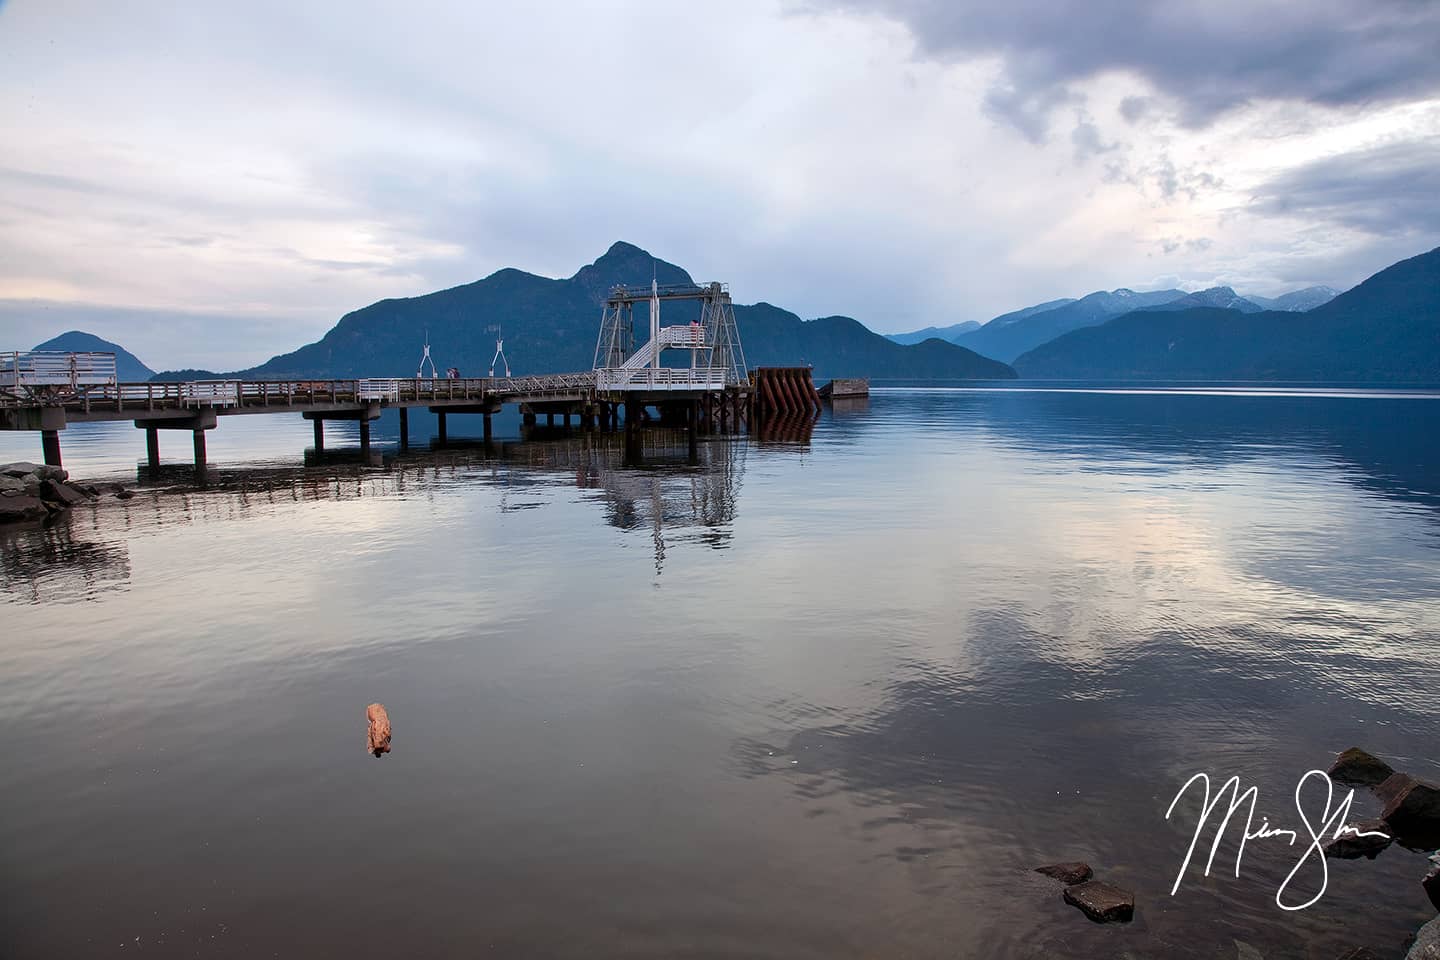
211 184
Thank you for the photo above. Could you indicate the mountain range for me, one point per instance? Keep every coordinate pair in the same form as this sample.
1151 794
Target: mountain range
1005 338
1297 301
934 333
1387 329
1221 298
1009 335
550 326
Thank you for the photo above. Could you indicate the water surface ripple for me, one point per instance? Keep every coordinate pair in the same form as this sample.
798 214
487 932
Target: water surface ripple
825 695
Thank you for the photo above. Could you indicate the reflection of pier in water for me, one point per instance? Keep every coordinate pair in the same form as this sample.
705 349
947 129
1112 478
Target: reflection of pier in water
63 561
671 494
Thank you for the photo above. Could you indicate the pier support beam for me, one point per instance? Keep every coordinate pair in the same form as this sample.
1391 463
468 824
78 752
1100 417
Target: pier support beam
362 415
633 450
197 423
404 428
440 426
488 428
692 427
549 419
50 443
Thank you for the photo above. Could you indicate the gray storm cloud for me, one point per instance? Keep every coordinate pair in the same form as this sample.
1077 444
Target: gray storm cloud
1385 190
248 174
1206 57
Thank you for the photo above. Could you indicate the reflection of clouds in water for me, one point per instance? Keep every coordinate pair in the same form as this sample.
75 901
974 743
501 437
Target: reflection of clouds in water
929 657
1020 756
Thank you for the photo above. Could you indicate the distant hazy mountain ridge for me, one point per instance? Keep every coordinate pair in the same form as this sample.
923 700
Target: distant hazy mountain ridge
1222 298
934 333
1297 300
1027 329
1387 330
1005 337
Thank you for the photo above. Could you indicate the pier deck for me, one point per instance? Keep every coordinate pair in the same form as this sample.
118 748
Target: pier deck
197 405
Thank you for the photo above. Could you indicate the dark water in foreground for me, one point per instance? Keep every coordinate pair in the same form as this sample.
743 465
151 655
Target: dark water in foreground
824 698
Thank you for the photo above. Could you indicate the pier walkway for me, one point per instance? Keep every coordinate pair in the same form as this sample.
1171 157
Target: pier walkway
82 393
45 392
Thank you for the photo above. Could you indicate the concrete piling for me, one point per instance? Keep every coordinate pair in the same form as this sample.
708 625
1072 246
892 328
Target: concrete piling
50 444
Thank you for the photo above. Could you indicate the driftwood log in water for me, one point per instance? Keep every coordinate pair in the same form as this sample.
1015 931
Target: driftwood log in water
379 728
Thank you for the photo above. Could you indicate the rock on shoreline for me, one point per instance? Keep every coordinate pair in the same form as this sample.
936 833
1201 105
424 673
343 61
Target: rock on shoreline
1412 807
1068 873
34 491
1102 902
1355 767
1366 838
1427 942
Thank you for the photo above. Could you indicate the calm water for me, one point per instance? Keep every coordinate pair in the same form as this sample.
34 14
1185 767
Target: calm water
824 697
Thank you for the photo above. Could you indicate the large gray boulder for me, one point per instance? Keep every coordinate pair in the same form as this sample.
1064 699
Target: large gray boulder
1427 942
57 491
31 491
17 509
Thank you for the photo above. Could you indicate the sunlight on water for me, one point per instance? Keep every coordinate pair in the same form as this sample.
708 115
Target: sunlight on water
832 695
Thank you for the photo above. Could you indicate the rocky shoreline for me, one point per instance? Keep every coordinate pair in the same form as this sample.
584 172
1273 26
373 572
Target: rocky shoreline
1410 819
31 491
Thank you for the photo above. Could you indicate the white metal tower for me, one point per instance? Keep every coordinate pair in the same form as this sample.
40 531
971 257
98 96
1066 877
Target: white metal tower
425 358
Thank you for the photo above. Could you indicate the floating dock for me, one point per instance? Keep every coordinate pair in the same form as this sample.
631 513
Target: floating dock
846 387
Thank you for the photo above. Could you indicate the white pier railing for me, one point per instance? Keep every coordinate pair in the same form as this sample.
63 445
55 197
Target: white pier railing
377 389
209 393
660 378
43 368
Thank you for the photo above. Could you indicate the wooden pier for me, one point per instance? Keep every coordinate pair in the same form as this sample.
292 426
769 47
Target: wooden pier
198 406
715 392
